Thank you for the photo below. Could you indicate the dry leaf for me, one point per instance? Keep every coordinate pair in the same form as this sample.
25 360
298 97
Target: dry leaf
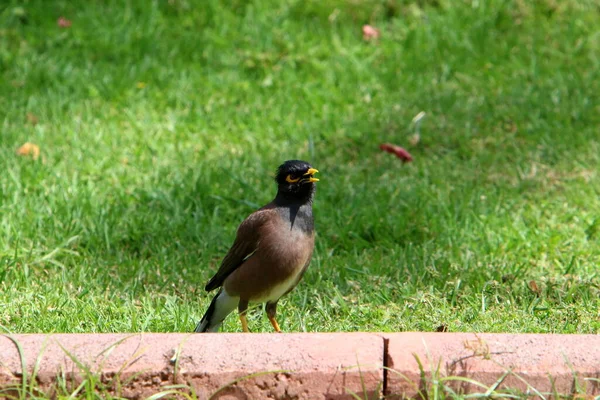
534 287
370 33
29 150
63 22
398 151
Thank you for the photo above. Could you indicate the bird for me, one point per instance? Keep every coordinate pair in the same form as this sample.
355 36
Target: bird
271 251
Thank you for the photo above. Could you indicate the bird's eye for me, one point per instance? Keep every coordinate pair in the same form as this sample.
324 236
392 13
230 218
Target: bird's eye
291 180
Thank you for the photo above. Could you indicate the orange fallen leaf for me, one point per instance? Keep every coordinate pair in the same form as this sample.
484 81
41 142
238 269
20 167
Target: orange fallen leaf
63 22
369 32
533 286
398 151
29 150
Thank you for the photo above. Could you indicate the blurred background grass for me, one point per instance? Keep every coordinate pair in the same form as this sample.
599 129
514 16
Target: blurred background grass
160 124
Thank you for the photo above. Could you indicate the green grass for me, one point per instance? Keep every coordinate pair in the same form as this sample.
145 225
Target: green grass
161 122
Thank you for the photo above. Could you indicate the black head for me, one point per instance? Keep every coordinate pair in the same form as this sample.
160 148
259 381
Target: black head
295 179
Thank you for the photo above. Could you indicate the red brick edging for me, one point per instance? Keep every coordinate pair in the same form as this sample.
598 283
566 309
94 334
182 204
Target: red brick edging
308 365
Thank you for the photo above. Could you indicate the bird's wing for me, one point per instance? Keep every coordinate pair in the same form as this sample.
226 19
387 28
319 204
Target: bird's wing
246 243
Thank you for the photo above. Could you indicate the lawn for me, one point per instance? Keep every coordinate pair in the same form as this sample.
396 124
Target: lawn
160 125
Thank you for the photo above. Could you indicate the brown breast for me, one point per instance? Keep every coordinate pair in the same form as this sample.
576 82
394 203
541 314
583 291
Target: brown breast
275 268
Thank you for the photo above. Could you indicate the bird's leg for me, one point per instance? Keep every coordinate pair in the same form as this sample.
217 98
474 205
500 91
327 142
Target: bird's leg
271 309
242 309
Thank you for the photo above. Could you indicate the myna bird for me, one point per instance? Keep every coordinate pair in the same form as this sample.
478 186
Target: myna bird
271 251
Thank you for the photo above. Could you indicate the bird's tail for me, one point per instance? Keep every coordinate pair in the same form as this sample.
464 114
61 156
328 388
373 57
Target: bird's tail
220 307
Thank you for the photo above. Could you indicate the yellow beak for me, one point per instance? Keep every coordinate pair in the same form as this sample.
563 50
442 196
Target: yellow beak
311 172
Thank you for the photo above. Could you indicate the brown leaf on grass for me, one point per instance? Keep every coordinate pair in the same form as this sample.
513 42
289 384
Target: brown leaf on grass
533 286
62 22
369 32
398 151
29 150
32 119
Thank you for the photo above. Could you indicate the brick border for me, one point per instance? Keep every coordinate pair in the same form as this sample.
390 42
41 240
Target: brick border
548 364
307 365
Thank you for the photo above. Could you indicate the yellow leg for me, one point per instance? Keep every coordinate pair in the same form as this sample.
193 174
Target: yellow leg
242 309
244 322
271 309
275 324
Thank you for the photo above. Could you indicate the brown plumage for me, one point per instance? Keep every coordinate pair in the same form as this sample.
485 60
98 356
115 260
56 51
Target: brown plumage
271 251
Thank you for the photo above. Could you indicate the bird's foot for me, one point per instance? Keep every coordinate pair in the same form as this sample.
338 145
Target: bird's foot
244 322
275 324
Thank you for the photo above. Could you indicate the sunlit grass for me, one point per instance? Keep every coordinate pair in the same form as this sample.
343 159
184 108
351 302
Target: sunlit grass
160 125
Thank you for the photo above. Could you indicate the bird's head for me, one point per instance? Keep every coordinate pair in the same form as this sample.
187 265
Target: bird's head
296 179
